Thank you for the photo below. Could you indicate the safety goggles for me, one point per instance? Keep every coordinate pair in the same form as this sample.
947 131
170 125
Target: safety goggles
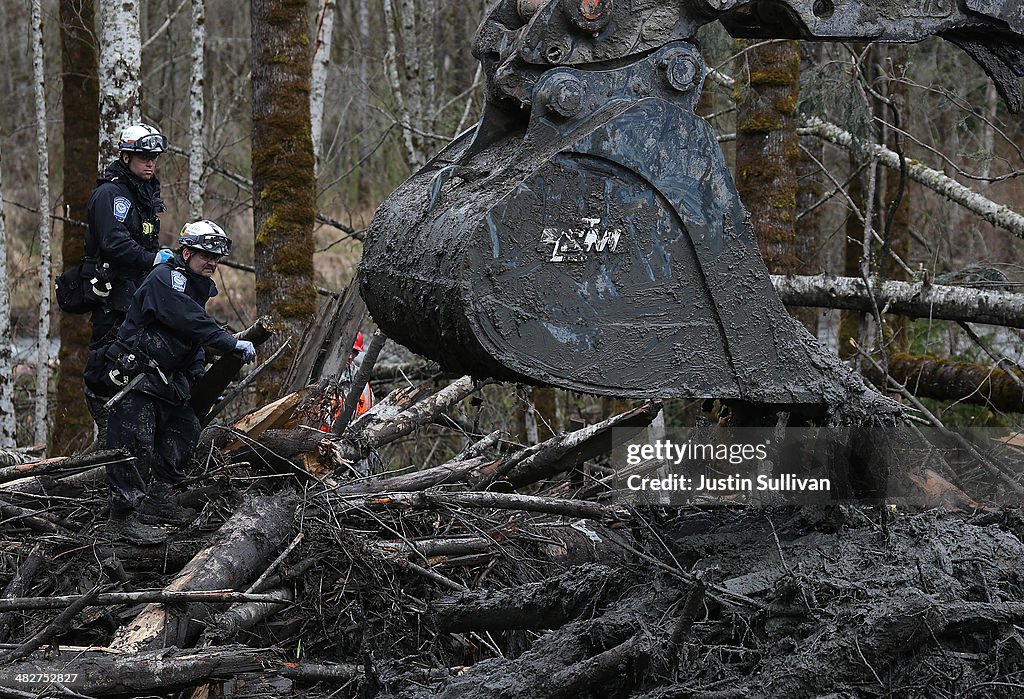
151 143
213 244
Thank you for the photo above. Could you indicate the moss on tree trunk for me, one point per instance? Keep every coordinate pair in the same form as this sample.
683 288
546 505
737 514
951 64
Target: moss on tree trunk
951 380
768 151
283 176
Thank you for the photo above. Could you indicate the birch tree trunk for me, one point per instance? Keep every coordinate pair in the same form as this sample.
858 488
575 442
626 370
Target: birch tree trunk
43 174
999 215
72 423
120 66
988 132
321 60
196 112
7 425
933 301
284 187
361 121
396 60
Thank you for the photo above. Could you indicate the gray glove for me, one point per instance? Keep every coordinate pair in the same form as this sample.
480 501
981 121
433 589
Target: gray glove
247 350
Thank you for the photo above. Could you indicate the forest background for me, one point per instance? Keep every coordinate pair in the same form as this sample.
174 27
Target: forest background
397 81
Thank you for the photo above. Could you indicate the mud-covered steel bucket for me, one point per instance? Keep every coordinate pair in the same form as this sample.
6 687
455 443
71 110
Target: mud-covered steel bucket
604 250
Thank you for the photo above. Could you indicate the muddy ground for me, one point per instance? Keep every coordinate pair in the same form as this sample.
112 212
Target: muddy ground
463 587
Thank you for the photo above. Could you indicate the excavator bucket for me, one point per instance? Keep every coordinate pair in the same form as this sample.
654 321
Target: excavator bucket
587 233
602 249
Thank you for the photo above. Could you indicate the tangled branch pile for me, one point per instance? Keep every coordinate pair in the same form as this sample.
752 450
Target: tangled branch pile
503 572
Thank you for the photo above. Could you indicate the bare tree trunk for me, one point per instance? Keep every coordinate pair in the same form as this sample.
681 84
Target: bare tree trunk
321 60
120 68
362 123
810 189
403 74
988 132
412 65
197 109
850 321
43 173
284 186
391 66
932 301
72 425
767 150
7 425
896 213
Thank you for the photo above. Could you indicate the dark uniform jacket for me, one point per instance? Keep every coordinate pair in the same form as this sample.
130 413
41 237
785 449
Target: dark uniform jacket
124 230
167 323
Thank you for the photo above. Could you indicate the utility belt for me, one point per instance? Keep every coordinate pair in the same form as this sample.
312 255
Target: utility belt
132 363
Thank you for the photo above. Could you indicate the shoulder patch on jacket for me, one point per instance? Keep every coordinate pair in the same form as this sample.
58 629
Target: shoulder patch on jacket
177 280
121 207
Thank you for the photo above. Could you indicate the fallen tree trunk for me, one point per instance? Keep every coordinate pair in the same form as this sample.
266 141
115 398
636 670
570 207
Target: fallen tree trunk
13 457
582 509
329 339
37 520
411 371
58 625
240 551
950 380
564 451
112 598
912 300
244 616
451 472
134 674
451 546
936 491
364 437
36 485
21 581
421 413
544 605
572 661
62 464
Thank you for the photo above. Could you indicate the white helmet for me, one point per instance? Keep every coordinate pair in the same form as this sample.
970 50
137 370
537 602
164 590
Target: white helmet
205 235
140 138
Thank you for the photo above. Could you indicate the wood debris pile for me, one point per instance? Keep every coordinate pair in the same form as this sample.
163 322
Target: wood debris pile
501 572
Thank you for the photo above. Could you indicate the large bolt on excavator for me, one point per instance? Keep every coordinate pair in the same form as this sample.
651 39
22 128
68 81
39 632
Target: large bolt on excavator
587 234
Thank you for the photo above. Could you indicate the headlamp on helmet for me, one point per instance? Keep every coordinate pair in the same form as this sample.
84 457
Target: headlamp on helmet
140 138
206 236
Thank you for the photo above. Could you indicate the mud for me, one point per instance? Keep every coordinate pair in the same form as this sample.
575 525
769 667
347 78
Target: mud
799 603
